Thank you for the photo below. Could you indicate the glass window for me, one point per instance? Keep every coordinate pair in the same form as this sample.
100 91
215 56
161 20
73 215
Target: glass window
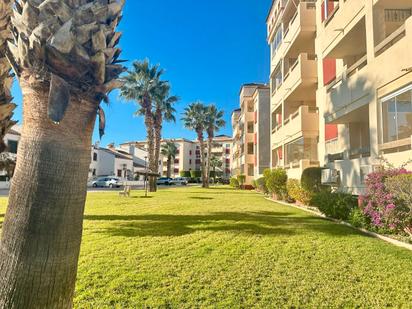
94 156
12 146
301 149
397 116
250 148
277 40
250 127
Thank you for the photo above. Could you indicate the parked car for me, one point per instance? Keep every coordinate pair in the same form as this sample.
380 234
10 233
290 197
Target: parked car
164 181
107 182
179 181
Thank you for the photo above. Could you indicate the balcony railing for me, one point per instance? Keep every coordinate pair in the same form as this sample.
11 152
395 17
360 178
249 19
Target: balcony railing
390 40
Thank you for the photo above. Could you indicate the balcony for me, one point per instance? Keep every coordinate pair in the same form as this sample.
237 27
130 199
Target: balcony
299 83
340 20
304 122
299 30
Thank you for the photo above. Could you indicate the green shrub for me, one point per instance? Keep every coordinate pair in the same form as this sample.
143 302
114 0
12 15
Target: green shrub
335 205
234 182
254 185
358 219
311 179
185 174
276 182
241 180
297 193
261 185
195 174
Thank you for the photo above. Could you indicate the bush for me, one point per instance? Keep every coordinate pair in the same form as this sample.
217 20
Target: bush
185 174
234 182
380 204
254 185
241 180
276 182
261 185
297 193
335 205
311 180
358 219
400 187
195 174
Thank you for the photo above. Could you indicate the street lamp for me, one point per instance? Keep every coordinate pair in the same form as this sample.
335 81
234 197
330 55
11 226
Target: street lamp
145 178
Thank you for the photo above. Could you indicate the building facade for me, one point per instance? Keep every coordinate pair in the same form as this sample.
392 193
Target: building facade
188 155
251 138
291 27
341 87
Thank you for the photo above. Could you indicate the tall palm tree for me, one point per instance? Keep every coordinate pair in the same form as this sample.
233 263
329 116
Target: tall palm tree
64 55
6 79
194 118
164 111
169 150
214 122
142 84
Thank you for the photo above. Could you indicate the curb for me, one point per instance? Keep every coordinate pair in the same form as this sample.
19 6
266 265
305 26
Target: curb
387 239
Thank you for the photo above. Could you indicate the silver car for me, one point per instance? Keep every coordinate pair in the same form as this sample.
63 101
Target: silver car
107 182
179 181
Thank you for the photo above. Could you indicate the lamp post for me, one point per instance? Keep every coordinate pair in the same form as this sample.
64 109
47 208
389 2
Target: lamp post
145 178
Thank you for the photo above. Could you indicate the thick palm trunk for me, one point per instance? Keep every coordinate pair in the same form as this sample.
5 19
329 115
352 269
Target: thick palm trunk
205 184
42 230
153 164
158 140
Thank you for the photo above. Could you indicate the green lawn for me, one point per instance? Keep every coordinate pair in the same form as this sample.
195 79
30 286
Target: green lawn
192 248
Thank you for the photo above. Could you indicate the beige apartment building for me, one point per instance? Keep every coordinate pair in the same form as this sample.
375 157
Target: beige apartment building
341 87
364 87
188 155
251 139
291 27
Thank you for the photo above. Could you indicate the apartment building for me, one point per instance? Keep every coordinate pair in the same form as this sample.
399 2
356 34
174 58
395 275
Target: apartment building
364 86
188 156
251 139
291 28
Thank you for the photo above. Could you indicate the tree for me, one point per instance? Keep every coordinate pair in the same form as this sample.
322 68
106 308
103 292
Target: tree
214 164
65 57
164 111
6 79
142 84
194 118
169 150
214 121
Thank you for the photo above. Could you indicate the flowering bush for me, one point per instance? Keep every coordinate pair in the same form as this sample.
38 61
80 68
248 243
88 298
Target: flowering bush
379 202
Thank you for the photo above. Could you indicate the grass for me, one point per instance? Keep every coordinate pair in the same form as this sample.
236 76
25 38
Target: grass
191 248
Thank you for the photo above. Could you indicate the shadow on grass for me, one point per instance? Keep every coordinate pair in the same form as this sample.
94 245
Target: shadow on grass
201 198
252 223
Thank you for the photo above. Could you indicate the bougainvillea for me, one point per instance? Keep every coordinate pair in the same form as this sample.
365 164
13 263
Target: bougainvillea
379 203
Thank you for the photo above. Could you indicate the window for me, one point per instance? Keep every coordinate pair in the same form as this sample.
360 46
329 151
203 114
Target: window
190 161
276 41
190 152
277 78
94 172
250 127
119 173
176 161
301 149
250 148
94 156
397 115
12 146
250 170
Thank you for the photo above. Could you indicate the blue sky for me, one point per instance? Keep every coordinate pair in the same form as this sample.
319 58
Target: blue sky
208 49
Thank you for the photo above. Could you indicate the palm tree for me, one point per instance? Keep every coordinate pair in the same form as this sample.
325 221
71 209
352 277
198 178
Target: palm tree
214 121
64 55
169 150
6 79
214 164
164 110
194 118
142 84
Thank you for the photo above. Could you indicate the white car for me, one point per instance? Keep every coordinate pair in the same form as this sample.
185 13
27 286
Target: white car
107 182
179 181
